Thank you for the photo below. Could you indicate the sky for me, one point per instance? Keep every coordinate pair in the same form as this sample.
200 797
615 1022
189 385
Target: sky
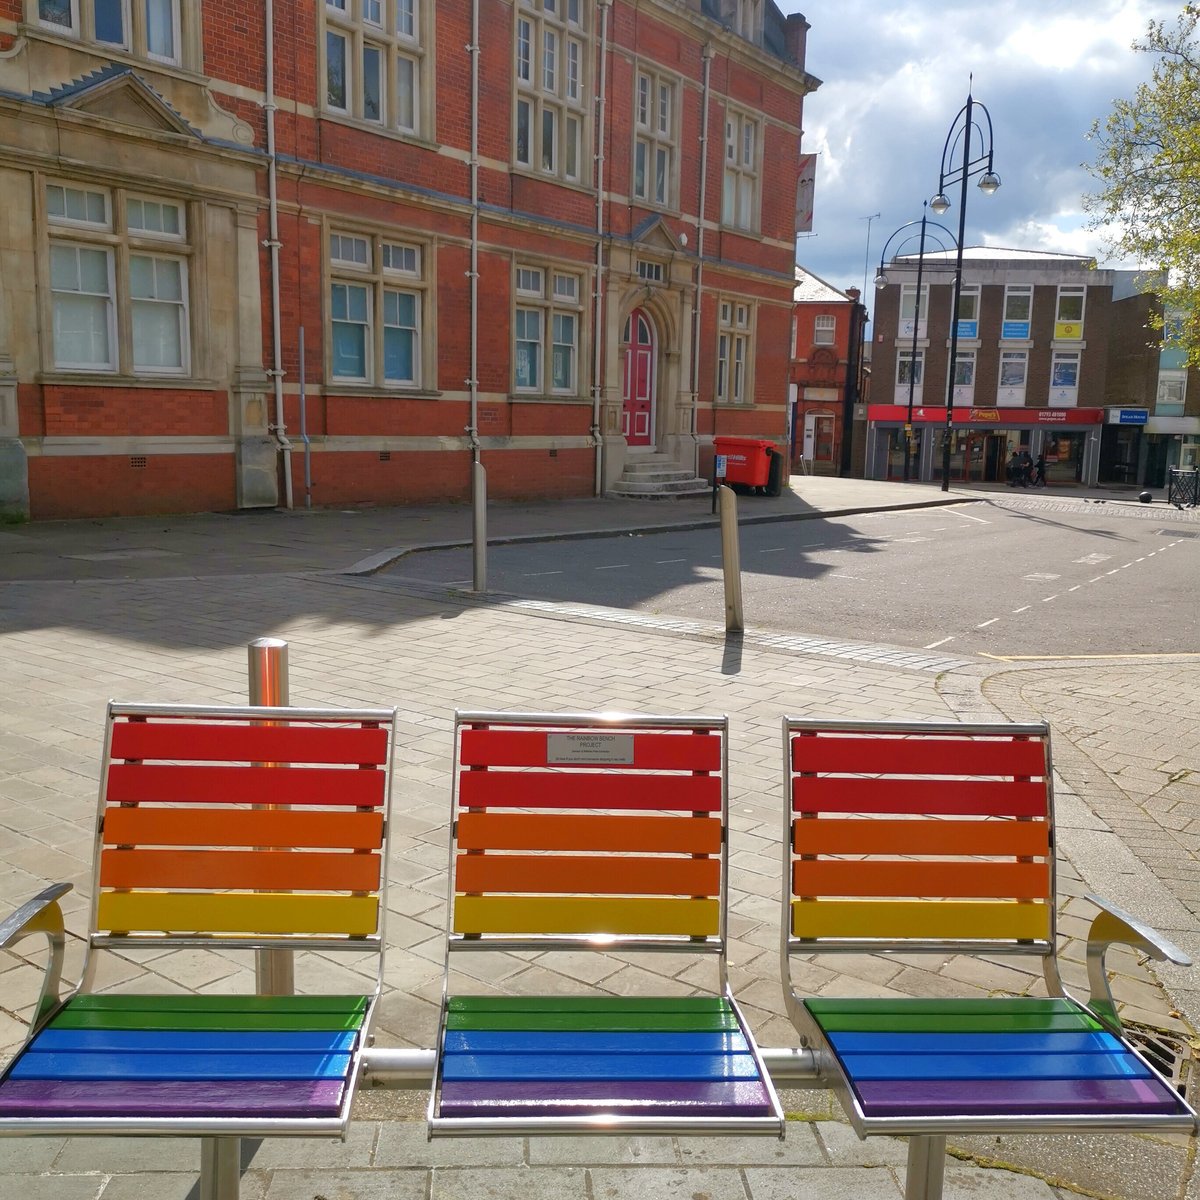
895 74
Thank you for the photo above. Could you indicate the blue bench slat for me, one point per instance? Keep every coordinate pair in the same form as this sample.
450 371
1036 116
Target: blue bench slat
996 1066
34 1065
486 1041
975 1043
133 1041
601 1066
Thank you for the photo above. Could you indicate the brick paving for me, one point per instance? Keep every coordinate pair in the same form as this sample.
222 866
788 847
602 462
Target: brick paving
175 629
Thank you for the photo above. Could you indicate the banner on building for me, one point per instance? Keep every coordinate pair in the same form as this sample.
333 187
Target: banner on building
806 188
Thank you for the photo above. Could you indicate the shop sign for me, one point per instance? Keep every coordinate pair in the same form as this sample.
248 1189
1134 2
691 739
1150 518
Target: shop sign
931 413
985 415
968 329
1068 331
1015 331
1128 416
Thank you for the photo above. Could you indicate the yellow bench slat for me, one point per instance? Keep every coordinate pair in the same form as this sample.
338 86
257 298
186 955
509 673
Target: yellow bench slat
922 919
540 915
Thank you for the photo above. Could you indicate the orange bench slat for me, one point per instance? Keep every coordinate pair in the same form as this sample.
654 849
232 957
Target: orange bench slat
249 870
599 832
996 838
948 797
902 879
586 875
303 829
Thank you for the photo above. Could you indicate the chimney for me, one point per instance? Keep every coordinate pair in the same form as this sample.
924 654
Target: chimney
795 37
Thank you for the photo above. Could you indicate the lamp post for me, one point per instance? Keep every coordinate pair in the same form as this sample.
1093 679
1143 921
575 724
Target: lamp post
965 129
881 280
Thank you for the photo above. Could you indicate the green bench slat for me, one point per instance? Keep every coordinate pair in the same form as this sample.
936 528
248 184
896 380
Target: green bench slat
624 1004
223 1013
683 1014
819 1004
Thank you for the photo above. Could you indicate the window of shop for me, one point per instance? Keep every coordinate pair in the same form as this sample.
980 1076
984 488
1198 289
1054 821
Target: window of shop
1064 457
654 139
909 367
1172 392
968 311
1014 367
118 275
1064 377
552 88
909 310
824 328
546 324
374 62
964 375
377 304
1068 315
1018 312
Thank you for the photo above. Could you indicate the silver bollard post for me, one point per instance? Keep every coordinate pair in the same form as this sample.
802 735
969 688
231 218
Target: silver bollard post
731 562
268 662
479 531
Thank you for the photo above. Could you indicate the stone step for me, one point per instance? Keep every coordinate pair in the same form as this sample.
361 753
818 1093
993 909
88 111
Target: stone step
668 490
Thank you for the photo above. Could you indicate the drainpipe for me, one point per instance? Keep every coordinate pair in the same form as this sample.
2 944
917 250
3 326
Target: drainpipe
279 429
472 430
598 317
708 54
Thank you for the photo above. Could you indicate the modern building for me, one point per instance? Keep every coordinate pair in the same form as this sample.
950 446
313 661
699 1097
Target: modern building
336 251
1054 356
827 373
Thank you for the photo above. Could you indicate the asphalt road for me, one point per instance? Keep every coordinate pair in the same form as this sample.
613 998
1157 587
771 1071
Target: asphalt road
1010 577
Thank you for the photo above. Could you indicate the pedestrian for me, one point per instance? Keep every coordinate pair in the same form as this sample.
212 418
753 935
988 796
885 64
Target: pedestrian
1039 471
1013 469
1026 472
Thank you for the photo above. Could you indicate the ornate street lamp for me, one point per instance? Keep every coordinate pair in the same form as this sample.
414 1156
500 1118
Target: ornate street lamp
966 129
881 281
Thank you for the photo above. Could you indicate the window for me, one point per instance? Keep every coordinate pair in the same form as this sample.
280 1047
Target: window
153 29
1068 317
375 61
377 300
1172 391
1018 311
546 324
824 328
739 199
914 310
964 369
1064 369
733 352
1013 367
968 311
654 138
652 272
550 68
118 268
910 368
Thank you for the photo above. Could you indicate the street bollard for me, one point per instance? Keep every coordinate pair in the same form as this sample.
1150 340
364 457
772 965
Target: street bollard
731 562
274 970
479 531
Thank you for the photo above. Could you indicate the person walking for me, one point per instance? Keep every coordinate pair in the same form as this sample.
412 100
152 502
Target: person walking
1039 471
1013 469
1025 475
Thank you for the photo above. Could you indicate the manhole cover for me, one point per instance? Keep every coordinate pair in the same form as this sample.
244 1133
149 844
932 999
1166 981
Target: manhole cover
1169 1053
1179 533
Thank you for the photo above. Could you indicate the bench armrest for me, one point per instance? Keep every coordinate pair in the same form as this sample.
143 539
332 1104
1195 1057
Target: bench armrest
1113 925
43 915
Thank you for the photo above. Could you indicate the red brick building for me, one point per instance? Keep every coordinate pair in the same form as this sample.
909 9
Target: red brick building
263 252
827 376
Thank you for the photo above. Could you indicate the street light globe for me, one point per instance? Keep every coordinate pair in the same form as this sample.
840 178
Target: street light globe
989 183
881 280
940 204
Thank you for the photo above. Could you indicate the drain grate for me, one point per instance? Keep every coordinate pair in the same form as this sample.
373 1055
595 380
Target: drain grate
1178 533
1169 1053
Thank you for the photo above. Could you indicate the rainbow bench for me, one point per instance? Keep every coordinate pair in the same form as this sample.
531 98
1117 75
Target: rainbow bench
939 838
218 829
601 834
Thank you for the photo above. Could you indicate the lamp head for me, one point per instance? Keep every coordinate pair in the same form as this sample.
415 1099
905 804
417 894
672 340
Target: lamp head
989 182
881 280
940 204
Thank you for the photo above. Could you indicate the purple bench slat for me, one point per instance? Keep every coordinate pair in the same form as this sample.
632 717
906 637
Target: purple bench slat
671 1098
160 1098
984 1097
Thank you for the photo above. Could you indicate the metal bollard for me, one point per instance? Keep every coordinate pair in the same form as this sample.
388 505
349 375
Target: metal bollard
274 972
731 562
479 532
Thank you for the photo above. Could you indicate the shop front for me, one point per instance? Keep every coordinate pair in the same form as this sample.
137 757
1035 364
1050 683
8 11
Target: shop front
1121 445
982 440
1170 442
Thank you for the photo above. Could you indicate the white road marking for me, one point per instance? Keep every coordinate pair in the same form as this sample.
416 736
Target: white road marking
935 645
1093 560
983 625
774 550
1075 588
965 517
1023 608
1096 580
1047 599
1113 571
612 567
660 561
535 574
1043 576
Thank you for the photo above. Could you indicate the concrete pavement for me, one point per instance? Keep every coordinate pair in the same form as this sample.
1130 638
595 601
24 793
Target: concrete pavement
162 610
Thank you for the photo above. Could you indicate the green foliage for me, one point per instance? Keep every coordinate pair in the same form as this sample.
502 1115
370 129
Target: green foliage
1148 169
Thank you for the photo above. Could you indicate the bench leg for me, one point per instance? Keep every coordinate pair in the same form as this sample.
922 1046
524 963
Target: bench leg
220 1168
926 1167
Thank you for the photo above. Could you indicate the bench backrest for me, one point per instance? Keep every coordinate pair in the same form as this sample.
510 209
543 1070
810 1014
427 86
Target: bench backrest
245 827
918 836
582 831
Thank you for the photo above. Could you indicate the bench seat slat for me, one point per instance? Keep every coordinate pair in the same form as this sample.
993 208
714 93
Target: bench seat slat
614 1005
170 1065
237 913
923 1065
746 1098
995 838
633 1021
601 832
924 919
1055 1042
920 755
303 829
921 797
575 790
216 1013
575 873
1012 1097
134 1041
585 915
608 1041
222 741
149 783
599 1066
651 751
919 877
170 1098
281 870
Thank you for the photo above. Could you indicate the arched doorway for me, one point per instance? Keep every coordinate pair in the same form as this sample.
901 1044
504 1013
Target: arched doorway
637 409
